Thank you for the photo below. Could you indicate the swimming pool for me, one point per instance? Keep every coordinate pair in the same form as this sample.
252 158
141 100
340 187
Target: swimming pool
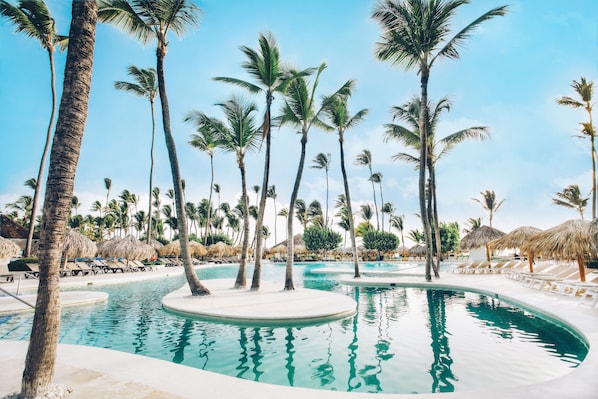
402 340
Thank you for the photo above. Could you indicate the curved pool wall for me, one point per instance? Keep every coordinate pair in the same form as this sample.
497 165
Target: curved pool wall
251 335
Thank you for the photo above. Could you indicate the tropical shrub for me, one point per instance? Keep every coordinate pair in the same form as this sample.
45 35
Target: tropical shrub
318 238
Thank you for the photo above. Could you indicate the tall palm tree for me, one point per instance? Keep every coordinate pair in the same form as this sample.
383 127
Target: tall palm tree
40 360
265 67
322 161
145 86
205 142
284 212
387 208
239 135
364 158
416 34
339 119
301 212
489 203
300 112
146 21
398 222
271 193
585 90
33 19
474 223
437 149
376 177
571 197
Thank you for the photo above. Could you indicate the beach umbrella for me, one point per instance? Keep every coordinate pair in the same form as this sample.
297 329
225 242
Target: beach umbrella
480 237
129 248
571 239
174 248
156 244
76 245
220 249
417 250
278 249
8 249
515 239
105 244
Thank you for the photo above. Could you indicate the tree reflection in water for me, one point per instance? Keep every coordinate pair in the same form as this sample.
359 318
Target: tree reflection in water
440 370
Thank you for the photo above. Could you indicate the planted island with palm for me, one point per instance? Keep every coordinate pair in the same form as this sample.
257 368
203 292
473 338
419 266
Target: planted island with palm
415 35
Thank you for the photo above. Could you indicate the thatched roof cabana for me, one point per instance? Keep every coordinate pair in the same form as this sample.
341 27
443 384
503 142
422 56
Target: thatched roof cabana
174 248
417 250
480 237
516 239
571 239
220 249
8 249
129 248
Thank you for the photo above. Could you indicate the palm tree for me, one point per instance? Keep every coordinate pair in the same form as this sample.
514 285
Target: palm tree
339 118
204 141
33 18
389 209
300 112
437 149
571 197
376 177
415 36
284 212
398 222
474 223
145 86
322 161
489 203
265 67
301 212
40 360
239 134
271 193
364 158
585 91
256 190
148 20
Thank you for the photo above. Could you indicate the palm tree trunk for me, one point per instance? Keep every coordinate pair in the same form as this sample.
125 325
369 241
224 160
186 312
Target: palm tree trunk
422 170
593 173
151 177
255 281
288 280
40 173
434 214
241 280
41 354
349 210
194 284
375 202
205 238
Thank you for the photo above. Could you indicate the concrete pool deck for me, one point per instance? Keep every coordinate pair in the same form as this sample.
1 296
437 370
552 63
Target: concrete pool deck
101 373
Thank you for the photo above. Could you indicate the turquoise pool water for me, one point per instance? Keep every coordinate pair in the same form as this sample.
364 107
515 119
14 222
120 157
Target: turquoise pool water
402 340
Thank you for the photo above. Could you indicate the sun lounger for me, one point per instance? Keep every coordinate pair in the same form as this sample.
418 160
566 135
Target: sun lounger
574 287
522 272
69 269
5 275
479 267
459 268
33 270
499 266
84 268
542 280
114 266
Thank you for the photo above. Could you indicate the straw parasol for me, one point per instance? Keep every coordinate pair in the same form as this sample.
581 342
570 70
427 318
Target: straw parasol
569 239
156 244
174 248
278 249
8 249
515 239
220 249
480 237
417 250
76 245
107 244
129 248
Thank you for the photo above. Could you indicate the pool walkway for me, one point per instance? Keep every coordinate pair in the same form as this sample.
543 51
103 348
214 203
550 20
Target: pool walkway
95 373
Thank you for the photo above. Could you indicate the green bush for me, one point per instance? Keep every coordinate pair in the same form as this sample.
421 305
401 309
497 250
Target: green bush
319 238
380 241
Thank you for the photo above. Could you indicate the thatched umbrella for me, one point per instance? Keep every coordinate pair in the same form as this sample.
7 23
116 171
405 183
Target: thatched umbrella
8 249
174 248
129 248
569 239
480 237
278 249
515 239
76 245
156 244
417 250
220 249
107 244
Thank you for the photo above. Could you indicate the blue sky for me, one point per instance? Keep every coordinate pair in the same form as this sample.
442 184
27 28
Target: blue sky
509 75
